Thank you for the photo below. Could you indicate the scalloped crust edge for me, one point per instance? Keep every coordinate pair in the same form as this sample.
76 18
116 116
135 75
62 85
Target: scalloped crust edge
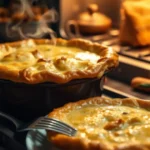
73 143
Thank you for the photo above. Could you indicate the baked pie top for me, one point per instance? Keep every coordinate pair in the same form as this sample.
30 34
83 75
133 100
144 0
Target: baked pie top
104 124
35 61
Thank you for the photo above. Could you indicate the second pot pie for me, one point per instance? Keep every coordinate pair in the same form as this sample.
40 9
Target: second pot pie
104 124
40 60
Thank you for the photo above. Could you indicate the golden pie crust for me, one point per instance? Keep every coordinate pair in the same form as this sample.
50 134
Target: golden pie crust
41 60
104 124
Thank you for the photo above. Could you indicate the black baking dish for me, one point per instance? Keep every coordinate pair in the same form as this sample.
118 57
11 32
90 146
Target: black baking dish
30 101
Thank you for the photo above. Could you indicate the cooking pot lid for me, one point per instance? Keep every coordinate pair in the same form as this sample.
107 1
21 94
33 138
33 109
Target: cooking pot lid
92 16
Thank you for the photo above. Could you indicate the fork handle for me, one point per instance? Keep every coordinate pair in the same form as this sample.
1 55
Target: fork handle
13 120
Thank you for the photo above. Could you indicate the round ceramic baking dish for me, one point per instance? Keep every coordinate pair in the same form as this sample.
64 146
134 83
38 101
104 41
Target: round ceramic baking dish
30 101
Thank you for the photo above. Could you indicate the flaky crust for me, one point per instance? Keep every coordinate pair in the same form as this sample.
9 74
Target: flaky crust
108 60
73 143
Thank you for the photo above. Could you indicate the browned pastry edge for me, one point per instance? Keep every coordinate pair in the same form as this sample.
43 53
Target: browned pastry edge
109 60
74 143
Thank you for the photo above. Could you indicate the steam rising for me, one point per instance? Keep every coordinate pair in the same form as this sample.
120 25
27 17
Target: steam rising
26 7
41 27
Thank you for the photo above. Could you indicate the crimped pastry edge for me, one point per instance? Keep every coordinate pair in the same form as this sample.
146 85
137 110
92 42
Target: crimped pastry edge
73 143
109 59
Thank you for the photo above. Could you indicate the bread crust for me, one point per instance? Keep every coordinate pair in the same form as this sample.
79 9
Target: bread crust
73 143
141 83
108 60
134 29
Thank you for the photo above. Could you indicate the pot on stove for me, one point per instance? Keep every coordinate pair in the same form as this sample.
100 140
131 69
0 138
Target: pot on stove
89 22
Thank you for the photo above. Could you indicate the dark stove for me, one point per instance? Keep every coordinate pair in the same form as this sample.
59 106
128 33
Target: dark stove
12 140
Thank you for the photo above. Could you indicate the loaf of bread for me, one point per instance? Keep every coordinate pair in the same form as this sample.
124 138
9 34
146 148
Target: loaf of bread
135 23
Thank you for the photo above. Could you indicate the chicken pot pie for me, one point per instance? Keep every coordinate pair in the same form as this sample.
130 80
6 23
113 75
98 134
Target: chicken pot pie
104 124
35 61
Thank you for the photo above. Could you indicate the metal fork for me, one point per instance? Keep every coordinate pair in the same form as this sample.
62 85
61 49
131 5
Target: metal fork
41 123
52 125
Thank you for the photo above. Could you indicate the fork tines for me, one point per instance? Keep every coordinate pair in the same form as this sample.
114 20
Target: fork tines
54 125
